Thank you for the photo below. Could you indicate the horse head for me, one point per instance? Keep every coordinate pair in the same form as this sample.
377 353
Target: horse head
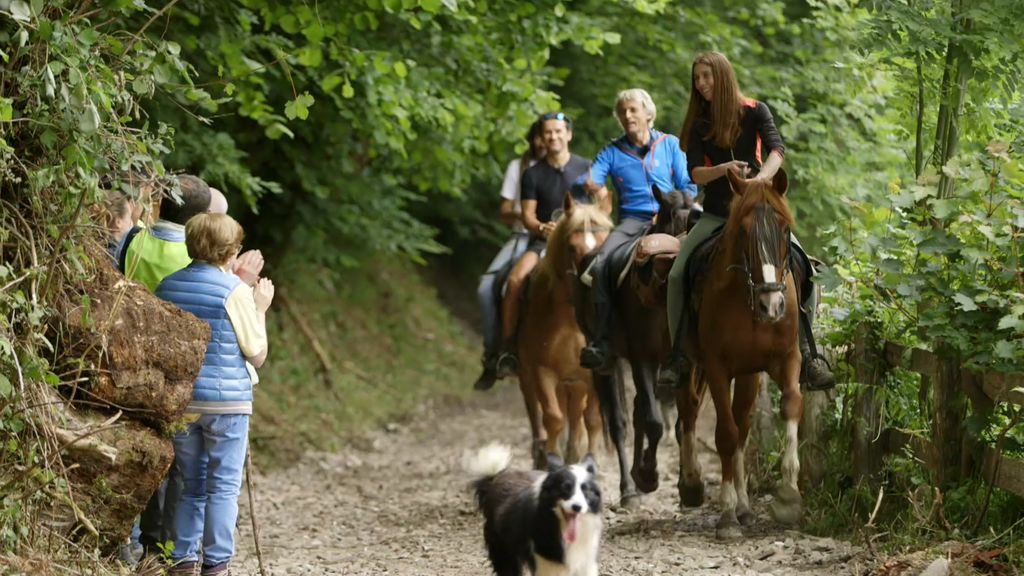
676 212
757 236
582 229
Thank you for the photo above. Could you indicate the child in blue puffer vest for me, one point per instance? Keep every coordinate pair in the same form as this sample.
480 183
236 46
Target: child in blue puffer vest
210 452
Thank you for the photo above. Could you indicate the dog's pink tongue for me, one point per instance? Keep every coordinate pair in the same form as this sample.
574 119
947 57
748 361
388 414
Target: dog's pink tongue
571 524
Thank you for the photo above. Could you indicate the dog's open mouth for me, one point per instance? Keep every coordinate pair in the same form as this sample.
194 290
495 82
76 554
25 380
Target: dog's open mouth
572 522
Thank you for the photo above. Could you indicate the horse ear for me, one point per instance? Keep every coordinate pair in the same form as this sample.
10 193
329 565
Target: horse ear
568 203
739 185
658 195
780 182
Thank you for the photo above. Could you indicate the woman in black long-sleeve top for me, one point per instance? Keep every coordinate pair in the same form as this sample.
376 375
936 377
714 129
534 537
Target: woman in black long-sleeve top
726 131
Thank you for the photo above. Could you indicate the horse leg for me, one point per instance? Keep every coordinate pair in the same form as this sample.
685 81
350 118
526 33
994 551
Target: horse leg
577 402
688 401
592 418
647 426
615 419
745 393
550 405
726 439
787 506
528 386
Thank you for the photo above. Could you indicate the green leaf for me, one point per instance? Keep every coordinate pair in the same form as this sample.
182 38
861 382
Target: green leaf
299 108
330 82
400 69
1011 322
89 119
6 109
966 302
20 11
5 387
37 7
1004 349
347 91
431 6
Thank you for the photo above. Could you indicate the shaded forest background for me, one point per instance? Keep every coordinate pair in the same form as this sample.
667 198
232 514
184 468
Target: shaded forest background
359 140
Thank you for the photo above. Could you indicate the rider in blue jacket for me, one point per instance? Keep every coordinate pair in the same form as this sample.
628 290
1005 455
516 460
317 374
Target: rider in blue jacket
639 159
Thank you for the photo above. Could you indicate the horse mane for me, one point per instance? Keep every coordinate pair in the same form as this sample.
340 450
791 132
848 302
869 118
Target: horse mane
556 259
757 192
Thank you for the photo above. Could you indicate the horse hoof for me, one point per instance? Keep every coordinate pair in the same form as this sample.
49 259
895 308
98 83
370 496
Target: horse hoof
785 513
540 459
691 496
630 500
646 481
729 530
746 518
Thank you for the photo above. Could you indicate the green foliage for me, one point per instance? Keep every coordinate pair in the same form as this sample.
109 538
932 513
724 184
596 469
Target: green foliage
387 106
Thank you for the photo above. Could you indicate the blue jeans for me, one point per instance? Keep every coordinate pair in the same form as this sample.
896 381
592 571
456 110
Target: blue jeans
210 454
485 290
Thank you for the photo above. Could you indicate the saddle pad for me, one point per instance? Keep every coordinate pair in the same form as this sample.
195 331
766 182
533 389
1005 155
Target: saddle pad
648 247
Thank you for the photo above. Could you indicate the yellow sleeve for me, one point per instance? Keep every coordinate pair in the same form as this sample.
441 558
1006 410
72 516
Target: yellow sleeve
245 319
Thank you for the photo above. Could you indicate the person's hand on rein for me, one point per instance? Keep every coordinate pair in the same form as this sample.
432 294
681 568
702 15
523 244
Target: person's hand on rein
739 167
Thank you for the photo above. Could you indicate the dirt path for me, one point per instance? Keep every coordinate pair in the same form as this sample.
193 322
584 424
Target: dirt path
397 504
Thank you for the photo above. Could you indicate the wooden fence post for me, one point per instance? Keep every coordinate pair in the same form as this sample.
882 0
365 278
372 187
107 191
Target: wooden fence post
867 440
949 409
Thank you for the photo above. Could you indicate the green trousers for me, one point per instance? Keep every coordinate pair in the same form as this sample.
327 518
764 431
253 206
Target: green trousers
707 224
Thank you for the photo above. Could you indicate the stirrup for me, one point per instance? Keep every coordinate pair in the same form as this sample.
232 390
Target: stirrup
508 364
816 374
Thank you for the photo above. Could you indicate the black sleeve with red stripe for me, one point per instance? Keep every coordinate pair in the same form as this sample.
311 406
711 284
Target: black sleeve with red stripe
770 139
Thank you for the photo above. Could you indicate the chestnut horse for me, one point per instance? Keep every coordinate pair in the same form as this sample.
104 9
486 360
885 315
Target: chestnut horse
555 388
746 325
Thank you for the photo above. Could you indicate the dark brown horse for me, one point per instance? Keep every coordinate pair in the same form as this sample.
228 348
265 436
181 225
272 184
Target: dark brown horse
641 338
745 303
556 390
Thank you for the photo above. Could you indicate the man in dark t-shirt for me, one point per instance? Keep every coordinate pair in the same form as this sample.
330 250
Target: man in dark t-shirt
543 190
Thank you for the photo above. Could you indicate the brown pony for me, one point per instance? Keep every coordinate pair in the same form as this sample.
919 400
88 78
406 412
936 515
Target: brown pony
746 325
641 338
549 340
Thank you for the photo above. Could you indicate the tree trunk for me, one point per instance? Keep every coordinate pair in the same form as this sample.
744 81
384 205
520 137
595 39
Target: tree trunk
919 132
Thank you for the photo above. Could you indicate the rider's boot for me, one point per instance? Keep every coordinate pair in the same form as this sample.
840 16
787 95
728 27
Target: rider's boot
489 375
815 373
675 371
597 354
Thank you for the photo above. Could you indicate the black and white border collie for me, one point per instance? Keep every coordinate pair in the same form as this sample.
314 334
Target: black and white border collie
549 521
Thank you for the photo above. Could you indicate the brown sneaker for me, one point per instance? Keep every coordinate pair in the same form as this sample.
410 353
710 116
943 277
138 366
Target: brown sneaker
216 570
186 568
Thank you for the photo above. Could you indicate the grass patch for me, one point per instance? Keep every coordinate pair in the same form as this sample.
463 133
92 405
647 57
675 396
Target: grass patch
390 343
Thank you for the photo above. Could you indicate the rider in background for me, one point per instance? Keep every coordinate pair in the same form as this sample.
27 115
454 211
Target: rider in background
640 158
726 131
543 192
509 215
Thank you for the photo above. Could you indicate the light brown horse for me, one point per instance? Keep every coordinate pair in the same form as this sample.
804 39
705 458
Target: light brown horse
556 390
747 325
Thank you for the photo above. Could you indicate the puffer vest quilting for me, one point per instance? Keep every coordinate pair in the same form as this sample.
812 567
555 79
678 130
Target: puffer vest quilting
203 290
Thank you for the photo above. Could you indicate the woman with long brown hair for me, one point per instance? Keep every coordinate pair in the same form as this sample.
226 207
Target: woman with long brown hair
726 131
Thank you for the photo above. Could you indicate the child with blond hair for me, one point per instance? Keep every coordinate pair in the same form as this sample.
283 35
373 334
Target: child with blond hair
210 452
